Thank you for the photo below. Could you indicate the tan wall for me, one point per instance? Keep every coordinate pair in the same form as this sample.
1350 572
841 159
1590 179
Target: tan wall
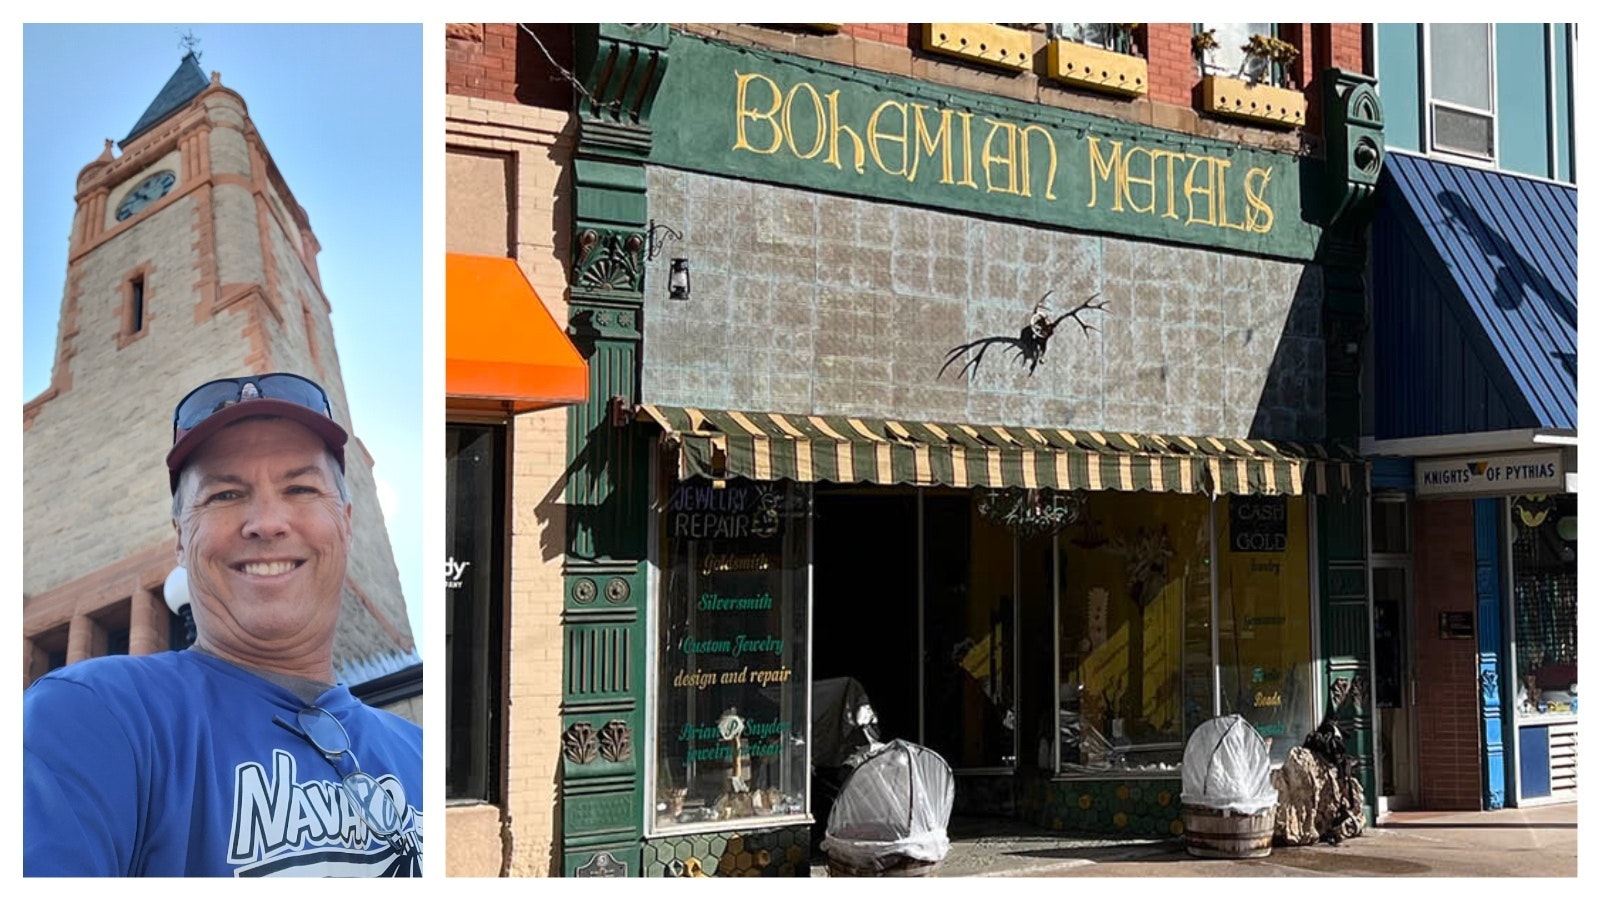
474 836
506 167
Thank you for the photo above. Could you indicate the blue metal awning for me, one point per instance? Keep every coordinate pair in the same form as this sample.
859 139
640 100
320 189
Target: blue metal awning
1475 301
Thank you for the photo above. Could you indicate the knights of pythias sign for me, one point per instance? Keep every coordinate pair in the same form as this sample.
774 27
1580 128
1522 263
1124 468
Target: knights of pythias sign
1508 473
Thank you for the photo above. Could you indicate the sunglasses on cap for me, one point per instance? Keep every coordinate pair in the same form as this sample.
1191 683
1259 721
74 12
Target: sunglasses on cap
217 404
215 396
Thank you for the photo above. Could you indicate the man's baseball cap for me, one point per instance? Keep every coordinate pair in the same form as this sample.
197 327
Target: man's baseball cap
215 405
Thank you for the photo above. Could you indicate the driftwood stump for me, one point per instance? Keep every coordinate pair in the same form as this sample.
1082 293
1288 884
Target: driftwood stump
1320 798
1315 802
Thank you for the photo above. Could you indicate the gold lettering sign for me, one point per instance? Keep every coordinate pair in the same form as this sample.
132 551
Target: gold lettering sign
947 147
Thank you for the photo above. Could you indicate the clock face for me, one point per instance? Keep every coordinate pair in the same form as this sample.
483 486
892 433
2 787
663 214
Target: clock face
149 190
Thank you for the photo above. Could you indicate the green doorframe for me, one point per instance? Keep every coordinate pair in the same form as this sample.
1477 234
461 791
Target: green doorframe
619 68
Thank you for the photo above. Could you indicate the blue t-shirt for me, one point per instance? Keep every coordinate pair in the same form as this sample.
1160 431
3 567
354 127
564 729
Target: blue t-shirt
171 764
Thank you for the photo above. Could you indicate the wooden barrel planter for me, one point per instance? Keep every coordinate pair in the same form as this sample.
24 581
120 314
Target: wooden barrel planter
1223 834
897 867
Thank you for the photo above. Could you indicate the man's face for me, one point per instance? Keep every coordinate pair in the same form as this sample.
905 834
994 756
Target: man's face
264 536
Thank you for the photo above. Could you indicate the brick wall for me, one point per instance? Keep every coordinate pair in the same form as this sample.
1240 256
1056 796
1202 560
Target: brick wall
509 62
1173 73
1448 742
1349 46
480 60
886 32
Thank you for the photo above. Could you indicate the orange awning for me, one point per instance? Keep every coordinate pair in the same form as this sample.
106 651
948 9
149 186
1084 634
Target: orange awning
501 343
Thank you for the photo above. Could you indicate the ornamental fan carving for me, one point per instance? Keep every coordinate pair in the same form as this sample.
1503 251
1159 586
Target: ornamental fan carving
616 741
579 743
612 261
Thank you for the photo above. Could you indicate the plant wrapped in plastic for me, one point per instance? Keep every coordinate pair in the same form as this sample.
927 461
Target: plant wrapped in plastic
1226 766
892 814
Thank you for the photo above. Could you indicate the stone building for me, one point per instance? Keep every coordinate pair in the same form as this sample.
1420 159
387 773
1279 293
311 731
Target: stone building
189 259
842 423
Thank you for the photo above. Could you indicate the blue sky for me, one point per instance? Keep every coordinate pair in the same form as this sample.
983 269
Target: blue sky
340 107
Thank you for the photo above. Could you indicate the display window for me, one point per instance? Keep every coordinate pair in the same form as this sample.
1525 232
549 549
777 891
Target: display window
1134 639
1544 583
1264 618
731 635
1139 669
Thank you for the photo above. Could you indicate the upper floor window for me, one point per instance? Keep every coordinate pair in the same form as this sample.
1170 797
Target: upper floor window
1461 115
1224 50
1106 35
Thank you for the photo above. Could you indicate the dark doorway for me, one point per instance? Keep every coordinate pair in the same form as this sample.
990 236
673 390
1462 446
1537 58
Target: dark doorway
864 598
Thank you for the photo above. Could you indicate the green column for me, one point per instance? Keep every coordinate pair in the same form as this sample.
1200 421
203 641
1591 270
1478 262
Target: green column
606 597
1352 163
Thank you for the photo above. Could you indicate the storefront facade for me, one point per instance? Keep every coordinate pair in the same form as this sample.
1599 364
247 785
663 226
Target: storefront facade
1474 439
511 375
1048 569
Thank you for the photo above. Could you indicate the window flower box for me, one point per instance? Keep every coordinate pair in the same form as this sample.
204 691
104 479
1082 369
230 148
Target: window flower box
1098 69
991 45
1261 103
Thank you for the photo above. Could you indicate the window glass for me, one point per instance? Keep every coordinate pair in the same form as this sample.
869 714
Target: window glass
474 500
1264 618
1095 34
1463 132
1228 58
1390 531
1134 641
1544 584
1458 59
731 649
1461 89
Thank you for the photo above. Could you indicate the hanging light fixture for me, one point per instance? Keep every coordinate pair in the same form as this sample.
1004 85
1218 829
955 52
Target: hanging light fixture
678 279
656 237
1030 512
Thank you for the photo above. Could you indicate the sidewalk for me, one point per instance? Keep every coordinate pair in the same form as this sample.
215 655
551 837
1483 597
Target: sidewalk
1539 841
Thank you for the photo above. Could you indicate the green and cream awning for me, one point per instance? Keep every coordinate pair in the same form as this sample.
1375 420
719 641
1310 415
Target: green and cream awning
848 449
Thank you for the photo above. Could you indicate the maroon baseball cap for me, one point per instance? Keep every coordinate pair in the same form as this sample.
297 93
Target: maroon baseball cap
215 405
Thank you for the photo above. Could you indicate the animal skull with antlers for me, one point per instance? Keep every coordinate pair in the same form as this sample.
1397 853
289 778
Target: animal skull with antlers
1030 345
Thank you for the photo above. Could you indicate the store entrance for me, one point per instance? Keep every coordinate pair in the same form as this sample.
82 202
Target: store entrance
864 607
1392 642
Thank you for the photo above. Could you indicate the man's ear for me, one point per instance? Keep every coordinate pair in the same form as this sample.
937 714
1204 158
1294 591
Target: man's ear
349 532
177 548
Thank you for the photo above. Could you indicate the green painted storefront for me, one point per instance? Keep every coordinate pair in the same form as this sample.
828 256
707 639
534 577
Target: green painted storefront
662 103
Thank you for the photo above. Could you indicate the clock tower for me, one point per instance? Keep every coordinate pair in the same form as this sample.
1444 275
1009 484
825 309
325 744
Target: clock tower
189 260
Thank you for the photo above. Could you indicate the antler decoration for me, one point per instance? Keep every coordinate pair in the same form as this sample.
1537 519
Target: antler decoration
1030 345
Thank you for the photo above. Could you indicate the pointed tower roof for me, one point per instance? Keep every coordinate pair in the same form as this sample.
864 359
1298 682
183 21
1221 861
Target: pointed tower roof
184 85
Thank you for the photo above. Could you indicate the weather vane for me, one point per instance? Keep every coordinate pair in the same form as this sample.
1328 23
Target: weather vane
188 41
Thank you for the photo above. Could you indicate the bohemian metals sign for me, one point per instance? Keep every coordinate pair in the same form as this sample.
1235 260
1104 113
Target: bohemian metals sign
763 116
1510 473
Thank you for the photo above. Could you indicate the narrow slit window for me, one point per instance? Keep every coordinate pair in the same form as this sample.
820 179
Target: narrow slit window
136 305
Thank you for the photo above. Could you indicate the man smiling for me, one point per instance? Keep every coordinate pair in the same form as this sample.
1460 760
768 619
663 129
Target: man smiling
239 756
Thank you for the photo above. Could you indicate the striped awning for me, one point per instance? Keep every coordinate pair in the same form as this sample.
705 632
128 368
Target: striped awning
846 449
